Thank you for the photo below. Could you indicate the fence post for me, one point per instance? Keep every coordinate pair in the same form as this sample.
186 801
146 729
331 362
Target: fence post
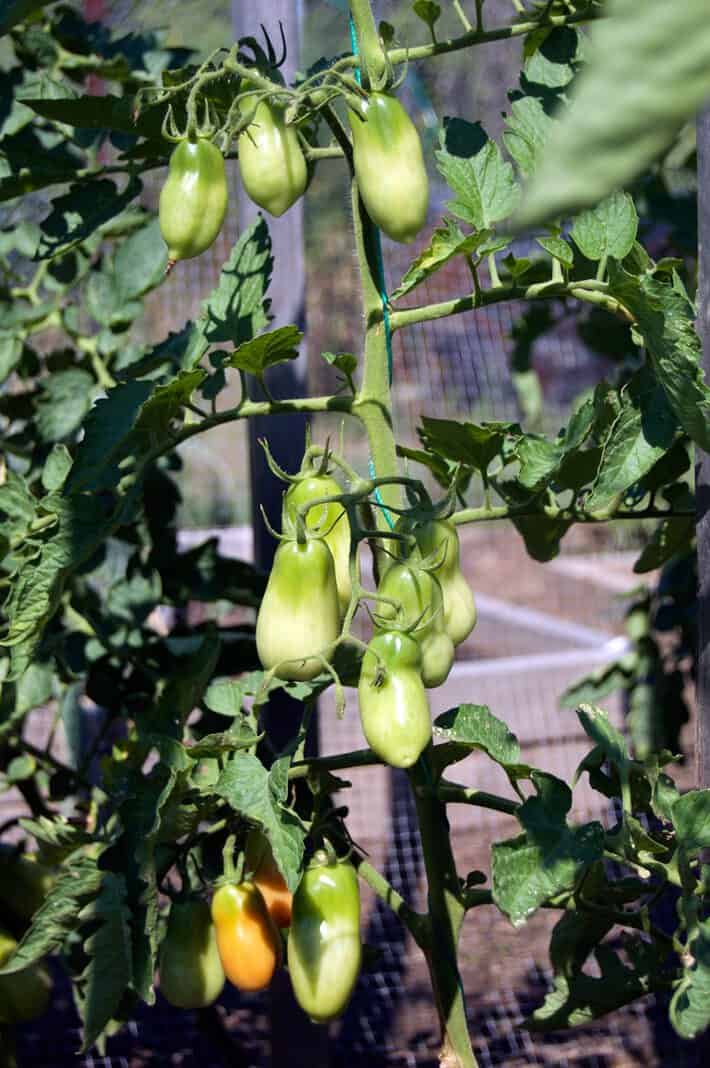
294 1038
702 465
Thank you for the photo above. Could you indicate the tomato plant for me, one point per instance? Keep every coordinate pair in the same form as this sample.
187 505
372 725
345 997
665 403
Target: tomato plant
109 622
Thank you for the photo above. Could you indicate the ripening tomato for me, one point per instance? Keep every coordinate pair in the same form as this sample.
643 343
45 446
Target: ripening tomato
418 594
324 949
248 941
193 201
394 708
267 877
389 167
191 974
299 613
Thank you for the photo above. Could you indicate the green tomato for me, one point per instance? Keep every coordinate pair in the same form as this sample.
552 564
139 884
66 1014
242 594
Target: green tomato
299 613
389 167
440 537
191 973
419 597
324 951
329 521
24 995
193 201
271 161
24 882
394 709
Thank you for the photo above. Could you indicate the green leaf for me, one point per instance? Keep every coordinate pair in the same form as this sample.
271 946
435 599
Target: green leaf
80 212
259 796
690 1006
108 947
66 398
446 242
14 11
664 318
599 684
140 262
557 247
670 538
643 432
278 346
186 687
597 727
345 362
475 727
237 310
527 129
56 468
691 819
647 75
539 458
428 12
56 918
474 168
548 858
471 444
609 229
110 421
10 355
239 736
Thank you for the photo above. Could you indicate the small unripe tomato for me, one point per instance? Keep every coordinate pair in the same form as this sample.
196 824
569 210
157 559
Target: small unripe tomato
394 709
439 537
249 943
419 597
329 521
267 877
191 974
24 995
193 201
324 949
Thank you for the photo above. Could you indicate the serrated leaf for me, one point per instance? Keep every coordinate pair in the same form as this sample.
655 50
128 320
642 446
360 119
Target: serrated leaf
56 918
557 247
664 318
670 538
690 1006
473 167
528 127
609 229
471 444
691 819
80 212
446 242
476 727
597 685
548 858
108 972
66 398
645 77
264 351
56 468
110 421
259 796
597 727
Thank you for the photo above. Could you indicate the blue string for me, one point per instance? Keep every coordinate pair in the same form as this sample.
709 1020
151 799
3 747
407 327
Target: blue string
383 296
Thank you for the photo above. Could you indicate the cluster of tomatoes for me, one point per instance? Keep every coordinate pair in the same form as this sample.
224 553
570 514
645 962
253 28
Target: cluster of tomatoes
424 609
387 160
240 937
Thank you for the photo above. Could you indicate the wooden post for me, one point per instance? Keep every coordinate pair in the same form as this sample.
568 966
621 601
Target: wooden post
702 466
294 1039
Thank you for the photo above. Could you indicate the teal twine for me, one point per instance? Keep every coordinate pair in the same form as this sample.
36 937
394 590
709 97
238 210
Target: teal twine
383 297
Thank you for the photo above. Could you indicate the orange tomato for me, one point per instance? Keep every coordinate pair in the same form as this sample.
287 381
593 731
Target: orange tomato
269 879
248 942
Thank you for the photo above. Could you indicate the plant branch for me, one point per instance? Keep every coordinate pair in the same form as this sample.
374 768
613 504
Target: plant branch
453 793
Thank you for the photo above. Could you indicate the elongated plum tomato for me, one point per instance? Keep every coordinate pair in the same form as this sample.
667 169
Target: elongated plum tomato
248 941
299 613
418 593
271 161
389 167
24 995
330 521
193 200
268 878
394 709
439 537
324 950
191 973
